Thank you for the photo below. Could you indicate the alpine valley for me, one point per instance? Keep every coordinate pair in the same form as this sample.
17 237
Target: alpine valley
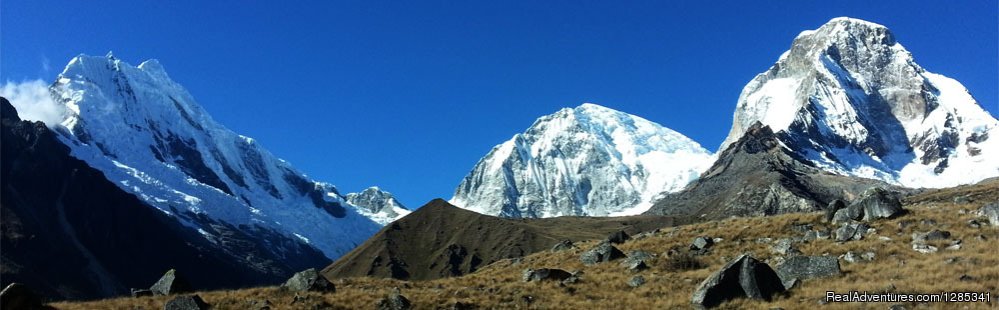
847 167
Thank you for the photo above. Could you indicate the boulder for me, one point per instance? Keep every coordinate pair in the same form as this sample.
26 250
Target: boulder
603 252
637 260
991 212
743 277
701 243
876 203
932 235
807 267
19 296
834 206
309 280
636 281
394 301
924 248
545 274
851 231
186 302
618 237
170 283
563 245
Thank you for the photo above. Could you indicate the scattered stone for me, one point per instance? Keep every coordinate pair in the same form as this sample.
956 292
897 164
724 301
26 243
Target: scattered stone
951 260
898 307
973 223
962 199
991 212
834 206
851 231
603 252
259 304
563 245
801 228
905 223
461 306
785 247
868 256
884 238
701 243
824 233
186 302
930 236
170 283
618 237
140 292
924 248
19 296
394 301
965 277
807 267
954 245
309 280
545 274
636 281
850 257
743 277
637 260
764 240
981 237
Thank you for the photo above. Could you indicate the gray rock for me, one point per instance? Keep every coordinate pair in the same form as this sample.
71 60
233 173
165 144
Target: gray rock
701 243
186 302
138 292
973 223
924 248
876 203
545 274
932 235
563 245
618 237
868 256
309 280
636 281
637 260
744 277
851 231
171 283
841 216
785 246
991 212
603 252
19 296
834 206
850 257
807 267
394 301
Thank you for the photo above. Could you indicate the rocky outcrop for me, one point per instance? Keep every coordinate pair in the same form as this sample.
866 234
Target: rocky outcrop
603 252
170 283
309 280
991 212
743 277
798 268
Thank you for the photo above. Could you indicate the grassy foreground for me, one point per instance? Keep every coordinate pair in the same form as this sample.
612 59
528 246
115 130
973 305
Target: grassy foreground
604 286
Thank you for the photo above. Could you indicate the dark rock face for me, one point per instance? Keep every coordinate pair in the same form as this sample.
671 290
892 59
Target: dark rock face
754 176
851 231
309 280
834 207
744 277
394 301
186 302
807 267
170 283
618 237
876 203
603 252
62 219
19 296
545 274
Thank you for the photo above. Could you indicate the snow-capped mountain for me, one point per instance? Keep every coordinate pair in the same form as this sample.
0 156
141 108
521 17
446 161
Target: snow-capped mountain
149 136
852 100
377 205
588 160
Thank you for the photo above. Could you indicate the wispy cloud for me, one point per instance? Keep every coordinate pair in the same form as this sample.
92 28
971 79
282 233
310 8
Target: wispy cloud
33 101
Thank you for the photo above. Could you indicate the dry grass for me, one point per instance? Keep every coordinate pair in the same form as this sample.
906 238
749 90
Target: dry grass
604 286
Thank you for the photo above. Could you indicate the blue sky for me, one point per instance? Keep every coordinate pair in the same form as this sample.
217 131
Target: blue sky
409 96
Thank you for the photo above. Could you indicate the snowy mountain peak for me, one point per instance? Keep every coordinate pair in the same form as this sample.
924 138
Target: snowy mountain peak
852 99
379 205
588 160
150 136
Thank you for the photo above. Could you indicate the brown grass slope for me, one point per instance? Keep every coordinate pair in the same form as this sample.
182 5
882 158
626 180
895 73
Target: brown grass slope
603 286
440 240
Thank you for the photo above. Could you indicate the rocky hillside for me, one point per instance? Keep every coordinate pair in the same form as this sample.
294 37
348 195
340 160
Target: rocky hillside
940 244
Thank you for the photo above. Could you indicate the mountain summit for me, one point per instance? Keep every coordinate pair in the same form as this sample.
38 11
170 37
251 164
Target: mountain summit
850 99
589 160
149 136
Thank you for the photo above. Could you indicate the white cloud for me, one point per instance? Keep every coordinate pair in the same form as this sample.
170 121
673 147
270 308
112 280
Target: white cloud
33 101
